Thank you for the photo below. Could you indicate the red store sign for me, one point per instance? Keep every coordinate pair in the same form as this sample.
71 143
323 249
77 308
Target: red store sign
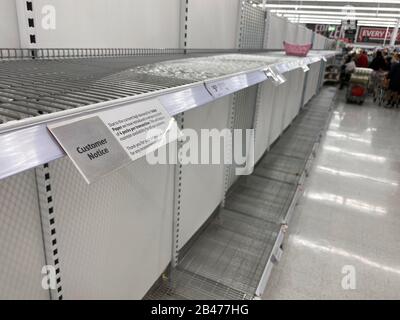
378 34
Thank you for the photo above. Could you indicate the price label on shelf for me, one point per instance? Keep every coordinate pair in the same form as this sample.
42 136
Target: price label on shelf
282 68
294 65
219 88
276 77
106 141
305 67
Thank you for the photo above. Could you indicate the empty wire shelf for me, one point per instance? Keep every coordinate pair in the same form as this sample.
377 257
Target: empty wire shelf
311 117
303 130
294 146
261 198
184 285
205 68
226 261
30 88
281 168
229 256
233 251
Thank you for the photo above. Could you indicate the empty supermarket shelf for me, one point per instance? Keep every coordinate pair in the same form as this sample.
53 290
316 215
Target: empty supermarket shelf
228 259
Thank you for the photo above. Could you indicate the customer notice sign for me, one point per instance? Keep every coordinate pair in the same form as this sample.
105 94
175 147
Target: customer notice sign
106 141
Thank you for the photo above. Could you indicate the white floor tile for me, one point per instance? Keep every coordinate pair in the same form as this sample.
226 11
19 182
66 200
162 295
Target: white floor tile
349 213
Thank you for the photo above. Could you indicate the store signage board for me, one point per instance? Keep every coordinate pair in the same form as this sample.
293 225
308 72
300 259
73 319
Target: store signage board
276 77
101 143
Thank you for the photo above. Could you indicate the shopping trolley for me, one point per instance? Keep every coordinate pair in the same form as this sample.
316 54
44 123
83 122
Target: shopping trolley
379 86
358 85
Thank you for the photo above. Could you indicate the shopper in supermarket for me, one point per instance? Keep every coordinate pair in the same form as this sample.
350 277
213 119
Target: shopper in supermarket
393 77
362 60
378 63
378 76
370 57
388 60
347 69
395 58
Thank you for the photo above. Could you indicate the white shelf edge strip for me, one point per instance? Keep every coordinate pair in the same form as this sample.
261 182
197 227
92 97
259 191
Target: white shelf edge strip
268 268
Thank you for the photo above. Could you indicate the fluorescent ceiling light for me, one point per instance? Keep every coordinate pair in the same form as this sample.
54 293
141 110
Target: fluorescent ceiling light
290 6
379 22
338 22
323 21
316 22
315 19
319 20
336 13
377 2
370 24
392 20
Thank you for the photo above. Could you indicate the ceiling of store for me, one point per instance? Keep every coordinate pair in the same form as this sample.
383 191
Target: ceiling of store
367 12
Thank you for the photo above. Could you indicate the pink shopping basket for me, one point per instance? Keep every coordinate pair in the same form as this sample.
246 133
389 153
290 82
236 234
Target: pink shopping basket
296 49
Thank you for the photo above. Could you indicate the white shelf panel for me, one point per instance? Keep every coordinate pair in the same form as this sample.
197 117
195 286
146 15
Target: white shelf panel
212 24
9 35
121 24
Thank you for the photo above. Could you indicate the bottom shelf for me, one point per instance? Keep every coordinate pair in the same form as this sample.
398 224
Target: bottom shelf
232 255
261 198
281 168
183 285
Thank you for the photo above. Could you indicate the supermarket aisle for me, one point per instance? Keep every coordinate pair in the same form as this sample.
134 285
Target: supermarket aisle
346 228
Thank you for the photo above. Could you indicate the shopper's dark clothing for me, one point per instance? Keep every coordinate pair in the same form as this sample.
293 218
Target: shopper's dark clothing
378 64
388 63
394 77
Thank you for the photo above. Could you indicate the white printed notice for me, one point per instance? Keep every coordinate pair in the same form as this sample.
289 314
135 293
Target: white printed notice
276 77
305 67
141 129
219 88
106 141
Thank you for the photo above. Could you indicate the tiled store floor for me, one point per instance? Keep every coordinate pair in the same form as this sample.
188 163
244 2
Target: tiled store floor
345 231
